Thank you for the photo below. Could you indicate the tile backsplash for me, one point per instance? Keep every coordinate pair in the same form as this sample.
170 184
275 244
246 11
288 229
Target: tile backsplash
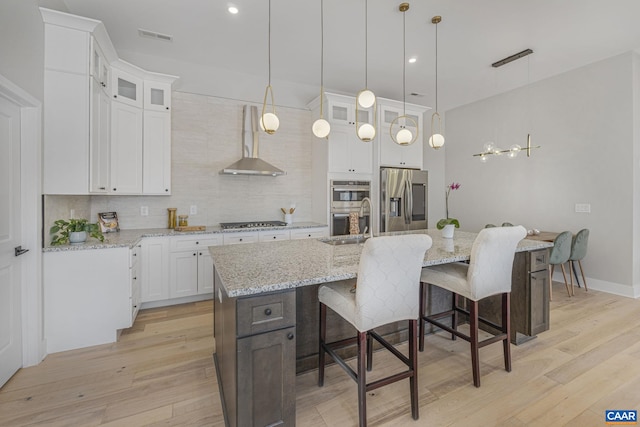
206 137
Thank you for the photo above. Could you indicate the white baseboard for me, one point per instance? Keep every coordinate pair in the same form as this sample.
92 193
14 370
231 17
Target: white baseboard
175 301
603 285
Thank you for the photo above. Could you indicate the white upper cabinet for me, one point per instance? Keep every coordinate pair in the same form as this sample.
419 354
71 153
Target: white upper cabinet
345 153
392 154
100 69
93 115
157 95
127 88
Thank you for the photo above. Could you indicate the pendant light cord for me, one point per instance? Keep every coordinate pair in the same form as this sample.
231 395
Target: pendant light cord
436 68
404 64
321 43
366 43
269 41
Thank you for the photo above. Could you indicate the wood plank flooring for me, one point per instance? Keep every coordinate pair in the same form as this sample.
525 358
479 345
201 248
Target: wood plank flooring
161 372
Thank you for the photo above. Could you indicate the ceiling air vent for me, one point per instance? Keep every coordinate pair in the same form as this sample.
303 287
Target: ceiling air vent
154 35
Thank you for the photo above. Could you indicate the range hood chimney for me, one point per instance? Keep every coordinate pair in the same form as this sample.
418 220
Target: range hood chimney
250 163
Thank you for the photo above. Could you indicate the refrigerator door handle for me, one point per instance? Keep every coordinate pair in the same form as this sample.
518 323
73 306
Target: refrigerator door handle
408 201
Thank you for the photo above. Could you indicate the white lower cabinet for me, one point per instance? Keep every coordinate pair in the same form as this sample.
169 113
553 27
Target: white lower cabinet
241 237
135 291
154 269
190 265
310 233
273 235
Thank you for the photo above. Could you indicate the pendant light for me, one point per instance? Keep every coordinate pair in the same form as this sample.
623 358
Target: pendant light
437 139
366 98
269 122
403 136
321 127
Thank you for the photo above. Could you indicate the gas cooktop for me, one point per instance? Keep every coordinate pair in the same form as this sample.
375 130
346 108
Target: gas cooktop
251 224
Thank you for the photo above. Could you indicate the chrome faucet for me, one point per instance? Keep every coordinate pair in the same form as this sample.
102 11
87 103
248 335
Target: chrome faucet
368 200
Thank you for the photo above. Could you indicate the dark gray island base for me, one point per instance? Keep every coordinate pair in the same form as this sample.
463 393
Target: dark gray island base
266 314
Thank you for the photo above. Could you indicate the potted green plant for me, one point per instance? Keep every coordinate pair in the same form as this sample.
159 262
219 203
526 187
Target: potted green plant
73 231
447 225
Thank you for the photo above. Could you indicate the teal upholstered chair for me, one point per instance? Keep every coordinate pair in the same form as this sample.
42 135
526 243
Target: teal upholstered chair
489 226
507 224
560 253
579 251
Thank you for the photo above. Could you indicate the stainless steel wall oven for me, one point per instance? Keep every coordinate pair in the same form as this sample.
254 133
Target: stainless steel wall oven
346 197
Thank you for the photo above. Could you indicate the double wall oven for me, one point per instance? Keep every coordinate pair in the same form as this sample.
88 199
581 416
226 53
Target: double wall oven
346 197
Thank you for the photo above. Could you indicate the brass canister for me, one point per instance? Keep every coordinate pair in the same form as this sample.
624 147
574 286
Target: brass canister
172 217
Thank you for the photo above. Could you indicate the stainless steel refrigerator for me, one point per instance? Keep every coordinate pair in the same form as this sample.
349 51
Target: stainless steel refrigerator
403 199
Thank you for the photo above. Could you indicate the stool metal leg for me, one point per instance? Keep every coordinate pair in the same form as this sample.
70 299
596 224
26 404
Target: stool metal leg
473 335
321 340
362 379
413 361
454 315
421 310
369 352
506 327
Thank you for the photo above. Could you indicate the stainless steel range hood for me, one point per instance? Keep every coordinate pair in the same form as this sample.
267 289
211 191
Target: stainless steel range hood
250 163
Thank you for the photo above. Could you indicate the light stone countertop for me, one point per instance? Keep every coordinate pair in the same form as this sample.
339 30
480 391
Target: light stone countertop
273 266
129 238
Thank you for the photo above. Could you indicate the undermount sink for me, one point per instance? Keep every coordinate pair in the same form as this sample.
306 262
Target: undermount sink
340 242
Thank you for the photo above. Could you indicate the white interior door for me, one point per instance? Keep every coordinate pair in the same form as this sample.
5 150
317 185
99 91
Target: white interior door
10 281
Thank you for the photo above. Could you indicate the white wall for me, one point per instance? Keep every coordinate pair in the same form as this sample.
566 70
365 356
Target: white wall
22 45
584 121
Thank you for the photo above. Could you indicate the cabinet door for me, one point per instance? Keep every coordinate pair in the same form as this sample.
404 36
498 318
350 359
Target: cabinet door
205 272
100 69
392 154
265 400
183 274
157 96
135 291
99 149
126 149
338 145
126 88
154 262
361 154
66 129
310 233
341 113
156 153
539 300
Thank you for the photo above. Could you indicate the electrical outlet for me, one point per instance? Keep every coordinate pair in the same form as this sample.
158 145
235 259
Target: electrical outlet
193 210
144 210
583 207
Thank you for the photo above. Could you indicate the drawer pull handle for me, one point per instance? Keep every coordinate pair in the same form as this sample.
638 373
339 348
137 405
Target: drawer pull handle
274 237
241 240
290 335
267 312
194 254
197 243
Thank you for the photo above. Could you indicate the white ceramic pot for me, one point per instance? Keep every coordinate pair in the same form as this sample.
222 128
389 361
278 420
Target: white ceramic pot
447 231
288 218
76 237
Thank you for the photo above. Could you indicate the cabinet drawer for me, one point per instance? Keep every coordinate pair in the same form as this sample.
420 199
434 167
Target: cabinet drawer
272 236
539 260
233 238
266 312
315 233
189 243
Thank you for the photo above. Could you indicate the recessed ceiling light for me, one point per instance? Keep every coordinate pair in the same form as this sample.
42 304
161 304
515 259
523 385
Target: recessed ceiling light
412 60
233 10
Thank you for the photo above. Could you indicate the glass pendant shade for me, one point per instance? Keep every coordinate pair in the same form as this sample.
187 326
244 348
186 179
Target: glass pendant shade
436 141
366 132
321 128
366 98
269 123
404 136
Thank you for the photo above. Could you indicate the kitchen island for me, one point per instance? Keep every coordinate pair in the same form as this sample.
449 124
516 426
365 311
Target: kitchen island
265 308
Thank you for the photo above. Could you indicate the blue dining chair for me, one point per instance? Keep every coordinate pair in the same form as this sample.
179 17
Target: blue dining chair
560 253
578 252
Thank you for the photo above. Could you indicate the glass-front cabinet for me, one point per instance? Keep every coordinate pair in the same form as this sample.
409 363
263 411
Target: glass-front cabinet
126 87
157 95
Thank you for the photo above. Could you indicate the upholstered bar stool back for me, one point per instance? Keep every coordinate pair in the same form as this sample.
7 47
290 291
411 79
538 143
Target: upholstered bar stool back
488 273
559 255
386 291
578 252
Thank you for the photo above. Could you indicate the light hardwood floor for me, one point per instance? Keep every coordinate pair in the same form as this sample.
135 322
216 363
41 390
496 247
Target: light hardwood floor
161 373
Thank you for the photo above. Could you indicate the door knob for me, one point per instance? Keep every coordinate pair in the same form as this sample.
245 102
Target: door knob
19 251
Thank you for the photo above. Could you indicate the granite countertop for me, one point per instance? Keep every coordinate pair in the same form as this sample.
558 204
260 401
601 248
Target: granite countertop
129 238
272 266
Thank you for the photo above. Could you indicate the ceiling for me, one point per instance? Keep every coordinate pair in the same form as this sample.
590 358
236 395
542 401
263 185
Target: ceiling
208 41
